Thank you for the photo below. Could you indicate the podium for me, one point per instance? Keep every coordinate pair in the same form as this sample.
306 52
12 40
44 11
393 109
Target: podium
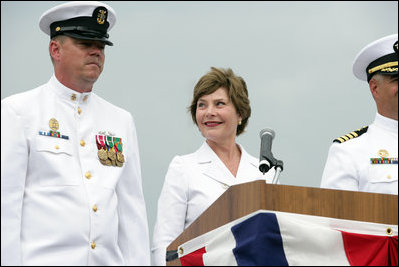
243 199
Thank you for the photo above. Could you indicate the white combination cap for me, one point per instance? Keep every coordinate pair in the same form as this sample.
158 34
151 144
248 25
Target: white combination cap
88 20
380 56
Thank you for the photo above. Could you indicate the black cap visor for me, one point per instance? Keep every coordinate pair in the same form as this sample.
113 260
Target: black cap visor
85 37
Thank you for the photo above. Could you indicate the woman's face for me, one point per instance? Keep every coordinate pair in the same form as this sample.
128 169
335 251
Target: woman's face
217 118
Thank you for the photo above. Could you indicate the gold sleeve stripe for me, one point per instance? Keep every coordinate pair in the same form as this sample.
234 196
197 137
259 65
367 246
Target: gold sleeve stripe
349 135
354 134
345 137
386 65
340 139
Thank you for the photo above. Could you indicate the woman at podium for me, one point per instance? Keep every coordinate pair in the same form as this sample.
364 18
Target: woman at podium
220 108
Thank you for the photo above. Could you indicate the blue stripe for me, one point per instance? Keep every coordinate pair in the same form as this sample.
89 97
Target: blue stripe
258 241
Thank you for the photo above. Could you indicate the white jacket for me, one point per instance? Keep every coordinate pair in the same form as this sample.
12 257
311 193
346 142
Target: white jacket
193 182
349 164
59 204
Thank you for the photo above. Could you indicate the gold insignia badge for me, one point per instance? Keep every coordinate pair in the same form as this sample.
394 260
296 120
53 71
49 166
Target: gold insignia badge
53 123
101 16
54 126
383 153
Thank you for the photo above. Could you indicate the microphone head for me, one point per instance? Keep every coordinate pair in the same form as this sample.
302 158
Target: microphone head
267 131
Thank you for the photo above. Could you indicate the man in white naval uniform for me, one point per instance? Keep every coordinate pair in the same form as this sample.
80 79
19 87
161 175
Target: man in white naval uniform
71 189
367 159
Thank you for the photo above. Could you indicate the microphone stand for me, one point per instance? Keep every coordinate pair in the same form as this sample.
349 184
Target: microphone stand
278 166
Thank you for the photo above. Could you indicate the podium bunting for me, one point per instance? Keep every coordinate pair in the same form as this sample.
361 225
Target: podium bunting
282 239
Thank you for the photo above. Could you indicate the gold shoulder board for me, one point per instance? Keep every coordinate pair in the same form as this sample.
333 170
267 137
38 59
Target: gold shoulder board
351 135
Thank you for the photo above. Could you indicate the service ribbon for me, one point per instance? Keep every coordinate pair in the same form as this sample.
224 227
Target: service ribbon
100 142
118 142
109 142
384 160
54 134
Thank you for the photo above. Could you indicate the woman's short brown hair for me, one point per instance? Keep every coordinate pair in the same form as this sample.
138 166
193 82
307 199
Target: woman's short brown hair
236 89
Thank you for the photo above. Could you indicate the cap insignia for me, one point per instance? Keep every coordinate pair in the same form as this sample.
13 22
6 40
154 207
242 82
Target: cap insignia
101 14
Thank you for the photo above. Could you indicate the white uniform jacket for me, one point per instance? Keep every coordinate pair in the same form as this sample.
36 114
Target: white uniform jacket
193 182
59 204
357 165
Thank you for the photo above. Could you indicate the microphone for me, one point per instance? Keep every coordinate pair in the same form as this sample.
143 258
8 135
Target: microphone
266 159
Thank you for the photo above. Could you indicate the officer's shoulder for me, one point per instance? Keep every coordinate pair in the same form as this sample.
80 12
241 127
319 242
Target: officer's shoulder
351 135
110 107
22 101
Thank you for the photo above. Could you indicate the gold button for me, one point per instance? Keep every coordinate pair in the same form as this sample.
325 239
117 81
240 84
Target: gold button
79 110
85 97
93 245
95 208
181 250
73 97
82 143
88 175
57 147
389 176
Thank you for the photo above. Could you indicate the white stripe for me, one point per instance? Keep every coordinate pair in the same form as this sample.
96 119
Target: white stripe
220 250
307 243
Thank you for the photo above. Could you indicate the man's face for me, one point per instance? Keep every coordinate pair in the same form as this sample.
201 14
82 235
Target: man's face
81 60
386 95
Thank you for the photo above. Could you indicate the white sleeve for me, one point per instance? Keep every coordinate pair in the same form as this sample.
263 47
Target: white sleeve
133 236
14 162
340 169
172 208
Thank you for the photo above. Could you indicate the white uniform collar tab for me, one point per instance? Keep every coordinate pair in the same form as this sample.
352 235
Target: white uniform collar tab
67 93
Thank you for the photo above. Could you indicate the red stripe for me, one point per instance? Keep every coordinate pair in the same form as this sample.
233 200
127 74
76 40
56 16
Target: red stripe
370 250
194 258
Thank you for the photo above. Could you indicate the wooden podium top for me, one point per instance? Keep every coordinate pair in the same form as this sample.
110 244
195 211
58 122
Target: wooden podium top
242 199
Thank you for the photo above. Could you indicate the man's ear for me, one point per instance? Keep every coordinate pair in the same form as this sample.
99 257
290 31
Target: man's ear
55 48
373 85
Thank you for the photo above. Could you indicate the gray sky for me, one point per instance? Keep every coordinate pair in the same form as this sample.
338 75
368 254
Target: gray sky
296 58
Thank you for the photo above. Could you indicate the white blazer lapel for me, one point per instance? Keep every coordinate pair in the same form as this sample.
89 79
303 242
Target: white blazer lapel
212 167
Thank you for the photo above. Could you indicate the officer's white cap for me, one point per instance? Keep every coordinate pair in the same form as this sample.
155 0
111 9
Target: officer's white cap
380 56
90 20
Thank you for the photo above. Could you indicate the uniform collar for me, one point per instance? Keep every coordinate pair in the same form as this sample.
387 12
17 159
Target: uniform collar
386 123
68 94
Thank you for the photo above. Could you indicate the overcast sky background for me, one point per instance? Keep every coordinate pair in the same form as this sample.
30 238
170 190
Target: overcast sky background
296 58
